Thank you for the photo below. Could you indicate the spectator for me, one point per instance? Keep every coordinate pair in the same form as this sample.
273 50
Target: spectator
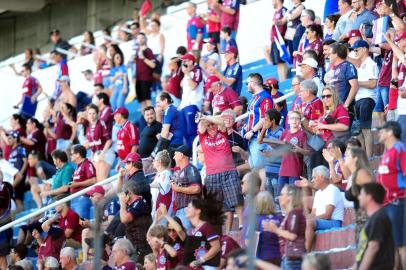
18 256
122 251
294 28
65 126
35 139
297 102
392 176
127 135
213 21
237 143
60 43
66 94
51 263
292 230
135 213
7 169
307 18
62 70
176 76
148 135
211 58
330 24
105 111
119 81
156 41
88 90
229 17
84 176
145 65
362 16
17 123
224 97
195 28
366 95
314 35
328 206
232 75
150 262
161 186
221 177
158 235
68 259
28 60
88 43
186 183
376 247
273 86
229 39
344 24
309 68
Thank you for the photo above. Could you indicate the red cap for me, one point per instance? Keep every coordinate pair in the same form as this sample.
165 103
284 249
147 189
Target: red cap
210 40
132 157
400 36
96 189
190 57
271 81
354 33
123 111
231 49
210 80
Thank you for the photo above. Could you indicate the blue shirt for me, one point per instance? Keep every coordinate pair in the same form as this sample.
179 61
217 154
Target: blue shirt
367 18
343 73
175 119
274 166
235 71
119 69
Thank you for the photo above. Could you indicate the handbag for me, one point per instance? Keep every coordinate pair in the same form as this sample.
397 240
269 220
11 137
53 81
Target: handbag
290 33
295 249
315 142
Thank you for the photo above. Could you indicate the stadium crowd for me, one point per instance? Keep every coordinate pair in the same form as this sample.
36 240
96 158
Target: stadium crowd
302 165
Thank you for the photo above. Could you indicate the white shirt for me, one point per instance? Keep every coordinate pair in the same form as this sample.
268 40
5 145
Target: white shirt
402 103
8 170
329 196
191 96
367 71
162 179
154 43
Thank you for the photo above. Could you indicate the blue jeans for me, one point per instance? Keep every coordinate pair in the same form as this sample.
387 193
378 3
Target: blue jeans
402 123
285 180
325 224
396 213
117 99
181 214
81 205
291 264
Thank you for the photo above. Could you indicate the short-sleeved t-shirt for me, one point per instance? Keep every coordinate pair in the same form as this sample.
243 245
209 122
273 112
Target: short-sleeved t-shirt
71 221
97 135
126 266
277 16
207 234
292 163
226 99
385 75
148 139
143 72
235 71
367 71
313 110
63 176
186 177
17 155
294 222
343 73
195 26
84 171
174 83
162 261
217 148
106 115
52 244
174 118
228 244
228 19
257 107
378 228
392 171
39 140
213 26
317 46
30 86
339 115
136 230
127 137
331 195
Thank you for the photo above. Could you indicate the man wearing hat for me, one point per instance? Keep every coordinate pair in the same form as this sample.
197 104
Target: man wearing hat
353 36
127 135
366 95
224 97
392 176
309 67
186 183
232 75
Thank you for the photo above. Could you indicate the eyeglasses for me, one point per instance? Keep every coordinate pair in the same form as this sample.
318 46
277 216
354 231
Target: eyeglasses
326 96
294 118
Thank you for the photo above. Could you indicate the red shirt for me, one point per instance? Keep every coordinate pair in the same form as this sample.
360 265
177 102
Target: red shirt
385 75
143 71
213 26
217 149
174 83
226 99
277 16
39 140
62 129
97 135
228 19
392 172
313 110
84 171
126 266
292 163
228 244
162 261
317 46
340 115
294 222
127 137
106 115
30 86
71 221
52 244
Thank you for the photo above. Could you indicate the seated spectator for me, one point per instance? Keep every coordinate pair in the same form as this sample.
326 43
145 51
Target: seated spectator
17 123
328 206
51 263
18 256
330 25
68 259
122 251
148 135
161 186
223 97
211 58
150 262
88 43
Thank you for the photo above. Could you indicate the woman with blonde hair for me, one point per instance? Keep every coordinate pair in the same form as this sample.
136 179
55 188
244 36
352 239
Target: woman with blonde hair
335 123
292 229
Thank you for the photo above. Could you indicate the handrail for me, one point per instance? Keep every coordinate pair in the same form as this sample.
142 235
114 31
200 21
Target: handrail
52 205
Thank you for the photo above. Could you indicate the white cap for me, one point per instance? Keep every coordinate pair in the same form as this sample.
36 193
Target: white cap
310 62
51 262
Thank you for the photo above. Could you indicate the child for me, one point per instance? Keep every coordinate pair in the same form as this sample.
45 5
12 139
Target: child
150 262
158 236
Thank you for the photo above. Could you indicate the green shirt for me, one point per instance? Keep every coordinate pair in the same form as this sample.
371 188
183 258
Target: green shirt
63 176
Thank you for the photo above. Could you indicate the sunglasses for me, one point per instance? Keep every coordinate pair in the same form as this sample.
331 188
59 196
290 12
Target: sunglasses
326 96
171 230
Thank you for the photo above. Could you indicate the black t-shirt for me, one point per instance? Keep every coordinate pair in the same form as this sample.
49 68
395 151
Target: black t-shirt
235 139
148 139
378 228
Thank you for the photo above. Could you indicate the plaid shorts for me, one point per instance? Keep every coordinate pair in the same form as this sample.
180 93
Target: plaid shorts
228 187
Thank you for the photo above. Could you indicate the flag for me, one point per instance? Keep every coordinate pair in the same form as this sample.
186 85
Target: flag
283 50
145 8
379 28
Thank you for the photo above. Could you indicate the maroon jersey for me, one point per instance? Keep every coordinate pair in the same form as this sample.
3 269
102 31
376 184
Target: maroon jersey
228 244
278 16
162 261
62 129
313 110
97 135
126 266
174 83
30 86
292 163
71 221
106 115
52 244
386 71
317 46
39 140
84 171
143 71
127 137
226 99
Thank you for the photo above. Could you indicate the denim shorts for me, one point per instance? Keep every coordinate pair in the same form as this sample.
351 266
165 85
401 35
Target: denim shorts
325 224
396 213
382 98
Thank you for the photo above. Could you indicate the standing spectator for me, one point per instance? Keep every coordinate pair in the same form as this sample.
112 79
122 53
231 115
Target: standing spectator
88 43
260 102
84 176
376 249
135 213
392 176
161 187
366 95
65 126
221 177
195 28
232 75
292 230
119 81
272 54
62 70
314 35
362 16
328 205
330 25
35 139
186 183
68 259
122 251
66 95
273 85
127 135
345 79
226 35
385 76
210 58
213 21
230 17
59 42
344 24
224 97
176 76
156 42
294 28
309 68
307 18
145 64
148 135
105 111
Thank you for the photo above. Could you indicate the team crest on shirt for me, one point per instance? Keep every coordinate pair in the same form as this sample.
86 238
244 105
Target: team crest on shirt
162 259
200 252
198 234
294 141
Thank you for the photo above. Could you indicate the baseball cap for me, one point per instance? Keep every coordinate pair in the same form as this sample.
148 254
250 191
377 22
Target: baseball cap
54 31
123 111
132 157
354 33
271 81
394 126
96 189
14 134
184 149
87 71
64 78
231 49
210 80
51 262
360 44
190 57
401 36
209 40
310 62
